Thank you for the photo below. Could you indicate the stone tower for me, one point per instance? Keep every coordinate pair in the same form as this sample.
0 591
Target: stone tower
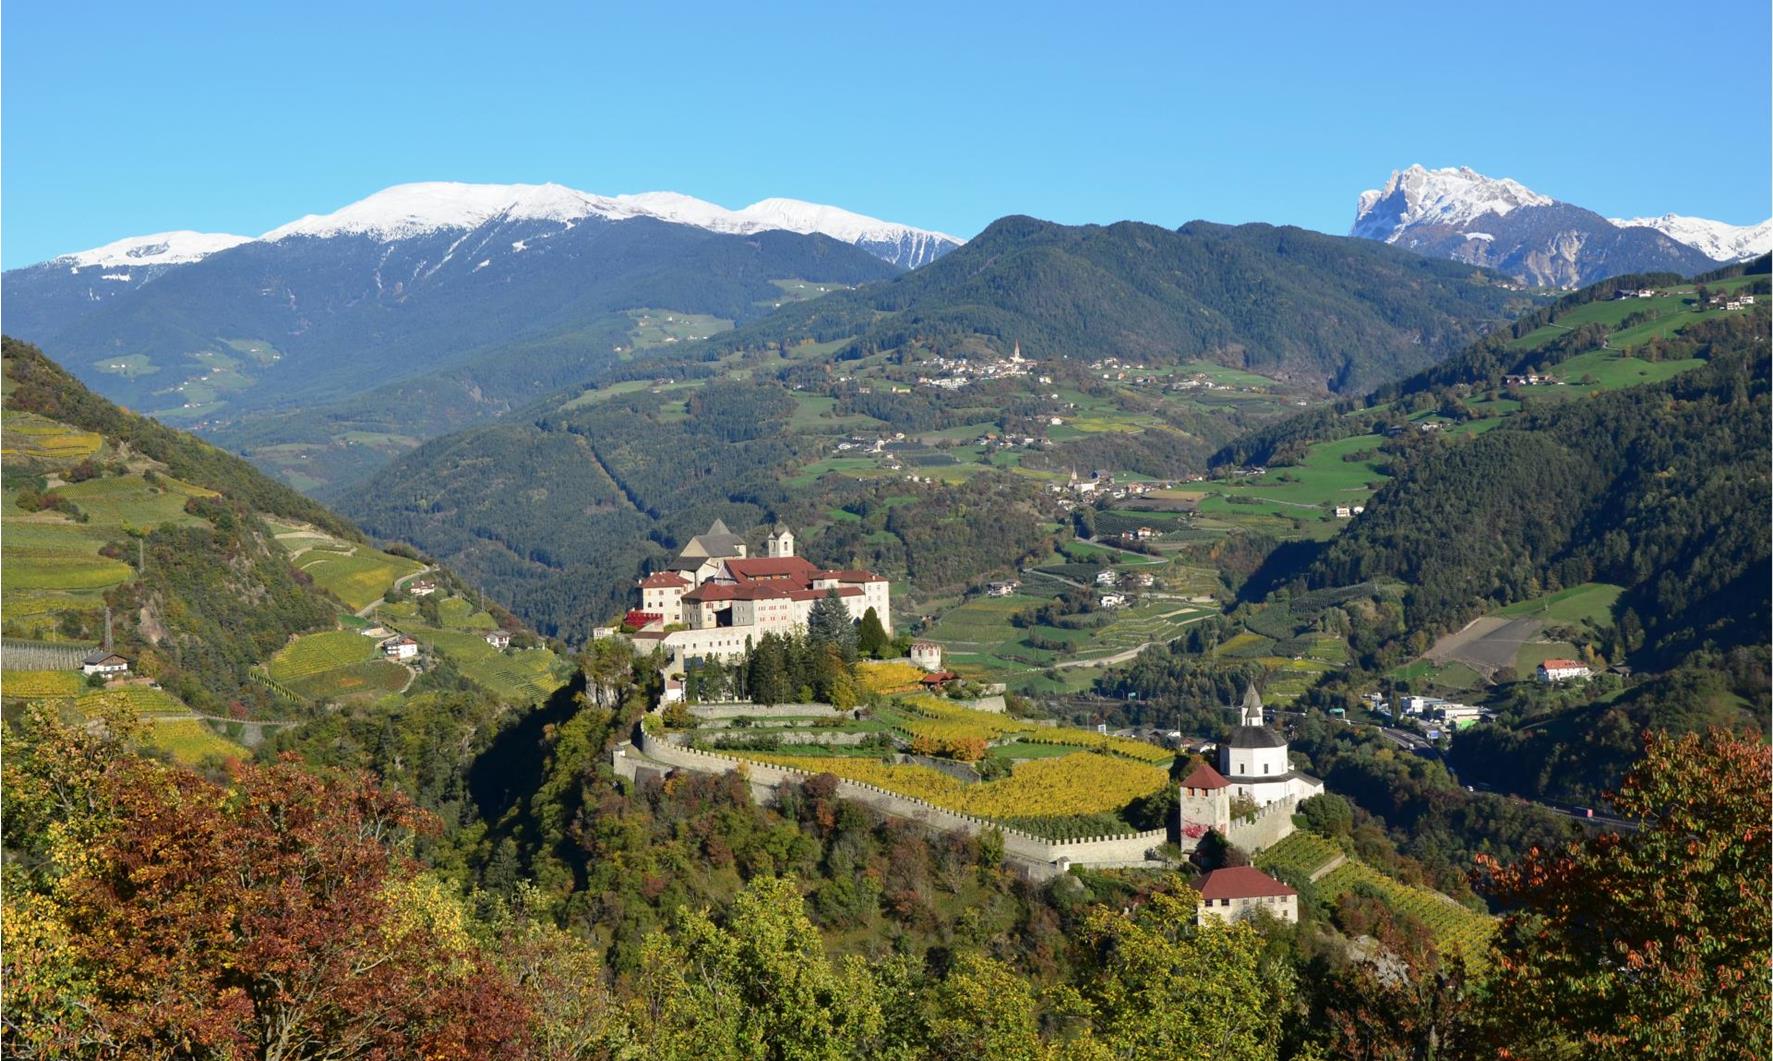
1205 804
781 541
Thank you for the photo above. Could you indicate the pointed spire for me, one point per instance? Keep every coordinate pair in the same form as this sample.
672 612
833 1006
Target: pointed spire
1252 711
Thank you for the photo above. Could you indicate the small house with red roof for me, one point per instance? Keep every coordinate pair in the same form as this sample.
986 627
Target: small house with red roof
1563 670
1237 892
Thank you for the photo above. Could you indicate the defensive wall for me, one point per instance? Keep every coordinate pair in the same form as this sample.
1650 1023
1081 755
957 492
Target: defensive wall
1040 857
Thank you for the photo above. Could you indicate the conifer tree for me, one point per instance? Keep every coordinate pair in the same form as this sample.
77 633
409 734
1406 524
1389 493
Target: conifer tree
872 639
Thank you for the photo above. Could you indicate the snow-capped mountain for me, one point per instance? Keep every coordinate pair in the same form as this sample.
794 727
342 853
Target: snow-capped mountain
1714 239
408 210
1453 196
1464 215
437 284
162 248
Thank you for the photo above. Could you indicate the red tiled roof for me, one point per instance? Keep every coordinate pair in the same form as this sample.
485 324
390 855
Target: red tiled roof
797 568
639 619
1562 664
661 579
1240 882
1204 776
939 677
816 594
851 575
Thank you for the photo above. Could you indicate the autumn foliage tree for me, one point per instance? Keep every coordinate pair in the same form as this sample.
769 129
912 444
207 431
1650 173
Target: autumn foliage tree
1650 942
274 916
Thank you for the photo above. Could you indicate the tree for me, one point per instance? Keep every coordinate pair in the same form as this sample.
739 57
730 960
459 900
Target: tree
758 985
829 623
1652 941
768 677
872 639
1158 986
982 1009
1327 815
270 918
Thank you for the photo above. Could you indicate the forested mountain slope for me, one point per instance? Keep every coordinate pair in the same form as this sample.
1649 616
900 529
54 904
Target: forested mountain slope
1284 302
1662 489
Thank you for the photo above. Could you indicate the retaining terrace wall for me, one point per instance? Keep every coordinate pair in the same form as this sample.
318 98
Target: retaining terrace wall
1042 857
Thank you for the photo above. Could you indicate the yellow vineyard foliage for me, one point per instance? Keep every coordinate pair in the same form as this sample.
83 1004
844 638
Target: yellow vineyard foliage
1079 783
888 676
41 684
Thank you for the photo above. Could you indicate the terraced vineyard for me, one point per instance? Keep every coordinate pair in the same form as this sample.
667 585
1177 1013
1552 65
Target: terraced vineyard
1298 856
191 742
138 699
358 577
31 436
1079 783
370 677
311 654
40 684
530 673
1455 928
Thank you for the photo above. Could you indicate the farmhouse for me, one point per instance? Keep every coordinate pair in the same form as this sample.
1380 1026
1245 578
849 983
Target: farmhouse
1237 892
1002 589
104 661
421 588
1254 761
1561 670
402 647
714 600
498 639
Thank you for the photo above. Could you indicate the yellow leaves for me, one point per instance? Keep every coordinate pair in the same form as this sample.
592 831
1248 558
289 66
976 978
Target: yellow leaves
423 912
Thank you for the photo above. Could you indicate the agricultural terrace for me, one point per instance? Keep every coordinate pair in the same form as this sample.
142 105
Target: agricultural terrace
34 437
945 721
40 684
527 674
1456 929
358 576
190 741
888 676
1067 785
310 654
1298 856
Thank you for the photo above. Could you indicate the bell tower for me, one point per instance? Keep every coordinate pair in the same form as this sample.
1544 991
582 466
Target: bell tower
780 542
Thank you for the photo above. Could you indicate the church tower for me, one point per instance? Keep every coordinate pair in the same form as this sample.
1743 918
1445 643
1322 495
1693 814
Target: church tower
781 542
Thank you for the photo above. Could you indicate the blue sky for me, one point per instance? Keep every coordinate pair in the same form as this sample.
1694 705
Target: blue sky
119 119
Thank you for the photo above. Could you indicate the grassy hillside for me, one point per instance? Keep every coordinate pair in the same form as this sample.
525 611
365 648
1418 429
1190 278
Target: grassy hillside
884 422
227 611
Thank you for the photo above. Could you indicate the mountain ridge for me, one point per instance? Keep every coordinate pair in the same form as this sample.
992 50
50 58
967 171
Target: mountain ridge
1458 213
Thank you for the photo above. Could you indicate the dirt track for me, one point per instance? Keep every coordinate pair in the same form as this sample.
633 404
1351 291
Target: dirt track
1488 644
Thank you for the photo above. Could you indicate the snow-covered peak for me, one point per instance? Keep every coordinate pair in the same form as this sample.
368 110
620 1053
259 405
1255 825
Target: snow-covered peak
162 248
1714 239
407 210
1451 196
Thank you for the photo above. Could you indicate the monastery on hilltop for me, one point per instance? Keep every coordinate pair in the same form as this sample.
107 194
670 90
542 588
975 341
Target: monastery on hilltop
713 600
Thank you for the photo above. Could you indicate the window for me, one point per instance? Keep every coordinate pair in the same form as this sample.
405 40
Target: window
1265 767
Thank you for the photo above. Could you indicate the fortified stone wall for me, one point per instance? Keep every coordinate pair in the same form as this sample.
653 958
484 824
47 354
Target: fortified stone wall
1266 827
1042 857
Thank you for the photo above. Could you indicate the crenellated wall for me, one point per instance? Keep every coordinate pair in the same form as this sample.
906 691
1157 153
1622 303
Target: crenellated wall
1041 857
1265 828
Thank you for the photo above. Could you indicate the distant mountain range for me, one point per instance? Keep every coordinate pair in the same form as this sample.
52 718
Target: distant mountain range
423 281
1461 214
